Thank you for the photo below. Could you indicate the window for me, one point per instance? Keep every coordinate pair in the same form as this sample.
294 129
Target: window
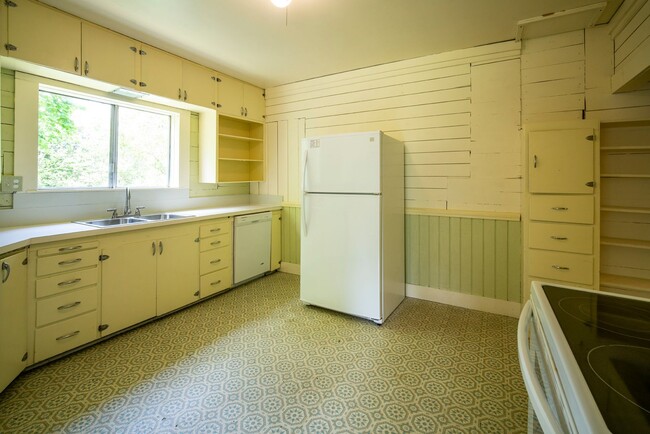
86 142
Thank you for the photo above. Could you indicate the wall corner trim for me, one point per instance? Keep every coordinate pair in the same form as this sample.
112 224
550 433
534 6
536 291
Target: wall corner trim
288 267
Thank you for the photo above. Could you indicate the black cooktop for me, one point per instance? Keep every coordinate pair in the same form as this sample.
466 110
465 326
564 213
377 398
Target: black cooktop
610 339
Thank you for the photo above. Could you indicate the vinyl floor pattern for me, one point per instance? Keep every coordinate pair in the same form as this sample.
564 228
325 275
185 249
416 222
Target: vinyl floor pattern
255 359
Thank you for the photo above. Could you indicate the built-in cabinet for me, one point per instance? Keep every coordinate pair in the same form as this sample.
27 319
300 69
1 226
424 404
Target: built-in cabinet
161 73
43 35
199 85
147 273
216 256
625 208
13 316
240 99
240 152
65 282
561 199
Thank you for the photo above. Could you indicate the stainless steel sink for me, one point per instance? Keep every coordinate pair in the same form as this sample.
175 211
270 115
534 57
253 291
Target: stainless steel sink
163 216
102 223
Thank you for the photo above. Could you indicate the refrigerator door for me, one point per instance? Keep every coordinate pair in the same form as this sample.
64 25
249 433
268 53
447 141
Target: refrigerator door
347 163
341 253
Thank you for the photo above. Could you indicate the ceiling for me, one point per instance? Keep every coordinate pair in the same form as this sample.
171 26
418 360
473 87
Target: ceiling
267 46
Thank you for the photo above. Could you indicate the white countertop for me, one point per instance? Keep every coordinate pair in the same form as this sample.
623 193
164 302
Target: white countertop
15 238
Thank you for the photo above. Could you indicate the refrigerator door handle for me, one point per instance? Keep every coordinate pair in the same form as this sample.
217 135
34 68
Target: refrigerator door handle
304 170
304 211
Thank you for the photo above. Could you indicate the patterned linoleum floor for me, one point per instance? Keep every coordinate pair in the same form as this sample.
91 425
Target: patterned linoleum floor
256 360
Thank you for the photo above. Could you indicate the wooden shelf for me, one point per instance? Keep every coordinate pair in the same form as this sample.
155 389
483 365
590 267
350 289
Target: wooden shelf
242 138
629 210
639 149
623 242
624 282
241 159
624 175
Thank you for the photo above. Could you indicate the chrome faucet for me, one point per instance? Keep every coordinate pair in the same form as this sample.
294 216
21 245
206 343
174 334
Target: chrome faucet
127 204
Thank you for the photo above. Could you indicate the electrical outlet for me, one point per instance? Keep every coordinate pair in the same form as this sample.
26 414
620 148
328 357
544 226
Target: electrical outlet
11 184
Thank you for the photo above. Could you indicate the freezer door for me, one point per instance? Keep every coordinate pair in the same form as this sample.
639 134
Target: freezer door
341 253
347 163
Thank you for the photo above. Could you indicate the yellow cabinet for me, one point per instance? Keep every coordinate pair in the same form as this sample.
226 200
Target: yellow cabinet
13 317
240 152
148 273
216 256
276 240
109 56
43 35
161 73
64 294
239 99
199 85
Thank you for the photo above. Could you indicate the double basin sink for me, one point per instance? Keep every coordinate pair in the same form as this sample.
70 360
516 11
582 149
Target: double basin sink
130 220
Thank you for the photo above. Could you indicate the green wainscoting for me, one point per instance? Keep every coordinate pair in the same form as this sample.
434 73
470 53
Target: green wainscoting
291 234
473 256
476 256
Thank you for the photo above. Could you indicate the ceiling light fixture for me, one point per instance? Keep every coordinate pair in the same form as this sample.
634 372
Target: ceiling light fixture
281 3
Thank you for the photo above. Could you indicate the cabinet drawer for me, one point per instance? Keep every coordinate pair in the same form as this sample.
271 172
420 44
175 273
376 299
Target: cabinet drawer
568 209
568 267
66 305
66 282
216 282
216 259
562 237
69 261
215 242
67 248
65 335
217 228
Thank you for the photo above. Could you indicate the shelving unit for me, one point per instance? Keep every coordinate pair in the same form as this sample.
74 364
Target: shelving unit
625 209
240 156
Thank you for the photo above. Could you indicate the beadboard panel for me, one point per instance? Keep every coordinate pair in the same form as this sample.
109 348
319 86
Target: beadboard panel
467 255
7 91
291 234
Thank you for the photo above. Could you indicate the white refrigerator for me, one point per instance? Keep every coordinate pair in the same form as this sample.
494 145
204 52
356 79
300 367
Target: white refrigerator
352 224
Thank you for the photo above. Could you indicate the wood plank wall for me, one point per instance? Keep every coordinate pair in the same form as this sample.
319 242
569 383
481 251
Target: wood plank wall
443 107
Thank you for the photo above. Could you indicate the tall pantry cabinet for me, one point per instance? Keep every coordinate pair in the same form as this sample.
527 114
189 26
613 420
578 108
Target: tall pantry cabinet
561 203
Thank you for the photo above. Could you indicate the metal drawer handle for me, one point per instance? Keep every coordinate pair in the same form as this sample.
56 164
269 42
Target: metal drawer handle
216 261
5 269
71 261
69 305
214 243
215 230
215 283
68 336
67 249
561 268
70 282
553 237
560 208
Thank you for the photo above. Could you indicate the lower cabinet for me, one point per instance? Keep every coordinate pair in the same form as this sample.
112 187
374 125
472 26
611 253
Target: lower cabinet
13 317
148 273
216 256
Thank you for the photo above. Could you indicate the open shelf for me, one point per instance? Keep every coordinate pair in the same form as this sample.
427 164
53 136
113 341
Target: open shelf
624 282
242 138
624 242
631 210
641 149
241 150
624 175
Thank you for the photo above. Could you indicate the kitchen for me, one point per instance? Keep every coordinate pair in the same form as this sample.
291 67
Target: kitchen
459 114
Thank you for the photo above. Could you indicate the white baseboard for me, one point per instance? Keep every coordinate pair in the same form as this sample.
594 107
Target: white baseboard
288 267
468 301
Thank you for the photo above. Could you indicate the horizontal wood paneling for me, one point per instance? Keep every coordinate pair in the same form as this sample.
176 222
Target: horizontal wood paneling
472 256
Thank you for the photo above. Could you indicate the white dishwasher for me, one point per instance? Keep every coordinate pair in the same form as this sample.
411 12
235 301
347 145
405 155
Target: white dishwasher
252 246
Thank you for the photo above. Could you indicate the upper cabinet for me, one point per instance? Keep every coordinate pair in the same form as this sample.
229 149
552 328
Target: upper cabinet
240 99
110 56
43 35
161 72
199 85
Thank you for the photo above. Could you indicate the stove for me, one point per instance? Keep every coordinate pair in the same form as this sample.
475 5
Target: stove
598 347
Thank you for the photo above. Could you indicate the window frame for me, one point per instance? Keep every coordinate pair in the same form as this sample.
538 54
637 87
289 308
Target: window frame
27 91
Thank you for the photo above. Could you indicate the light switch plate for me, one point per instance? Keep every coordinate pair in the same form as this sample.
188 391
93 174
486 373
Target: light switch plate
11 184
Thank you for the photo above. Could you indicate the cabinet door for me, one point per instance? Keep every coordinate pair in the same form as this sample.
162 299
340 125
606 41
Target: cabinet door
109 56
161 73
198 85
561 161
276 240
178 272
231 96
44 35
128 285
254 104
13 317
